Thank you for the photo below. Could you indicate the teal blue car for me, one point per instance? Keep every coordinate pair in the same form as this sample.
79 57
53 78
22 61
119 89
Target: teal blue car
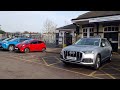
10 45
4 40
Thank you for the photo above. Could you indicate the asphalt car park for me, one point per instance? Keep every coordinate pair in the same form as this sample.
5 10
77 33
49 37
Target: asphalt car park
48 65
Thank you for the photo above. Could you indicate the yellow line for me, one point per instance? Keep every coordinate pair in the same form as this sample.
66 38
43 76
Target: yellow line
29 61
48 56
108 75
54 63
76 72
116 64
105 74
91 74
58 59
45 62
115 68
60 68
57 67
104 66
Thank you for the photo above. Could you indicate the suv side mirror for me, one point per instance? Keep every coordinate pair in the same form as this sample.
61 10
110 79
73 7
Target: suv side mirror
103 44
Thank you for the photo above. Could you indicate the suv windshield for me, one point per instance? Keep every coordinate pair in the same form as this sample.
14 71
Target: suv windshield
88 41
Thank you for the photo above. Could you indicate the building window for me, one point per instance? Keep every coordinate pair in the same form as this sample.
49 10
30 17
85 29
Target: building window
111 29
84 32
91 32
88 32
61 33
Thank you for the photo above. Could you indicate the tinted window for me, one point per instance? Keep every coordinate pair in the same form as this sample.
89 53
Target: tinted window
21 40
40 42
26 42
8 39
15 39
34 42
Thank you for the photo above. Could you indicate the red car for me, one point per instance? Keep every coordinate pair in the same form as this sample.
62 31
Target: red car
31 45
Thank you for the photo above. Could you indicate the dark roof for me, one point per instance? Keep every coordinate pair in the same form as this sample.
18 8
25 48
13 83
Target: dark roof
93 14
71 26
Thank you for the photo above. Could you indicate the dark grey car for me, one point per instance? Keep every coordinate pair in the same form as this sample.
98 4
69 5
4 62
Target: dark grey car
87 51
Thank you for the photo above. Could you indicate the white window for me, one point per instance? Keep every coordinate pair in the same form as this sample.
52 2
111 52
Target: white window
111 29
88 32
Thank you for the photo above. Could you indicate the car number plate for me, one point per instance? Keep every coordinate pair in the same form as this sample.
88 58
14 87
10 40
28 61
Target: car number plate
16 48
72 58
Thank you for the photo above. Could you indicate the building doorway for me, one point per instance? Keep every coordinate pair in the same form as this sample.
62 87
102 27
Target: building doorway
111 33
68 39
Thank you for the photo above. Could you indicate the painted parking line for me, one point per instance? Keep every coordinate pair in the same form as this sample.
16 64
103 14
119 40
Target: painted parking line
24 60
76 72
45 62
109 75
54 63
57 67
59 61
116 64
90 75
57 58
115 68
104 74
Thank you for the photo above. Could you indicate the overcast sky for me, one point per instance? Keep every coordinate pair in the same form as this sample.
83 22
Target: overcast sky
32 21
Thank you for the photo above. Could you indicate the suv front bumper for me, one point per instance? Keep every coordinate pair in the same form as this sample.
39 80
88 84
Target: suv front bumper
87 59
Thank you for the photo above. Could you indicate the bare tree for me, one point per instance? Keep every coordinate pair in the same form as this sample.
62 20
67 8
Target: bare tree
49 28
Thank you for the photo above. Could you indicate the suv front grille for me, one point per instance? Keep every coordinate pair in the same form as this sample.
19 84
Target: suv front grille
78 55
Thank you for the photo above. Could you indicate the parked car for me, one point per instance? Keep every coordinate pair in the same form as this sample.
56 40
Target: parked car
1 39
87 51
10 45
31 45
4 40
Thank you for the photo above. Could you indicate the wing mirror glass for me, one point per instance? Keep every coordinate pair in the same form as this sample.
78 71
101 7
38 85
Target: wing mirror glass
103 45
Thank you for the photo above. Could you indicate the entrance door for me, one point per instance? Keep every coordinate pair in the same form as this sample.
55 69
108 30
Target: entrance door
111 33
68 39
113 39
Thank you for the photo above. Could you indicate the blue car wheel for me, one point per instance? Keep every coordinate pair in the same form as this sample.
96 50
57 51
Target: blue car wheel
11 48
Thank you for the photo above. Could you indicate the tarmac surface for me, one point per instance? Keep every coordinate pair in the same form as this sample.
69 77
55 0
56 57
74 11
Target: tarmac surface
47 65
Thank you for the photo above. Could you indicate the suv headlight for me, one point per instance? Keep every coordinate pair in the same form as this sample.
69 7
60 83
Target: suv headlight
88 52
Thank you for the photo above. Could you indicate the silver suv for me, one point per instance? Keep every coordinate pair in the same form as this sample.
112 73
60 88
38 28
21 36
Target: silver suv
87 51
